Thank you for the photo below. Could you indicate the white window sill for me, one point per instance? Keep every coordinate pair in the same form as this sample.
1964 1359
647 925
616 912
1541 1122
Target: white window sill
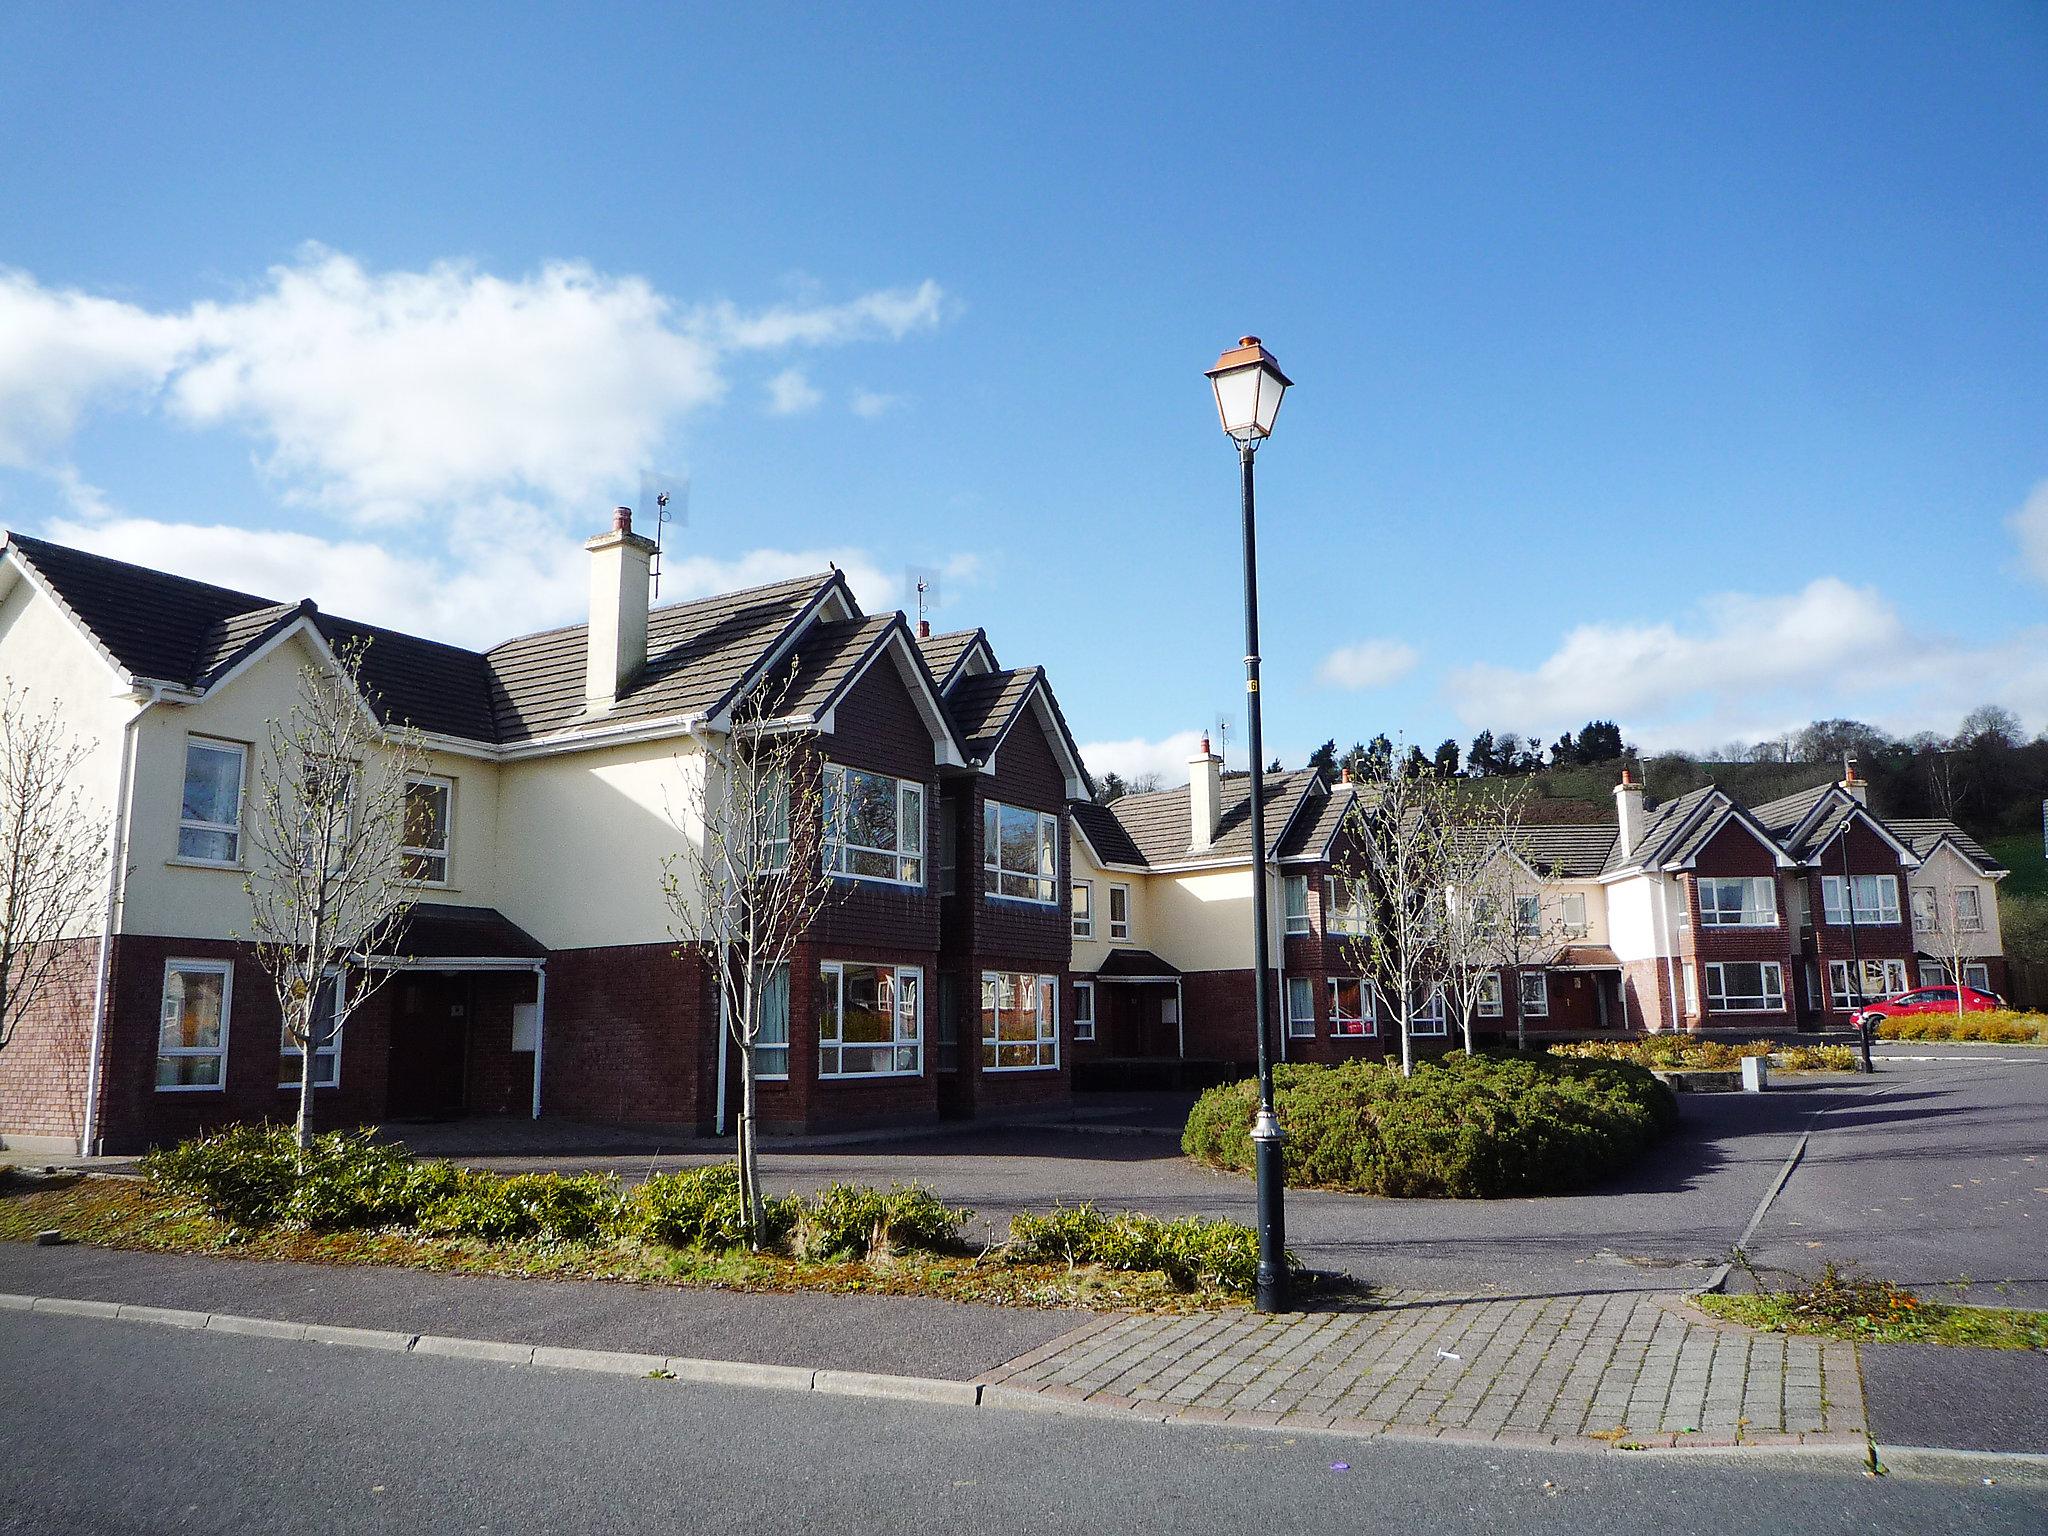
1054 1067
191 1087
863 1077
176 862
901 885
1353 1034
1021 901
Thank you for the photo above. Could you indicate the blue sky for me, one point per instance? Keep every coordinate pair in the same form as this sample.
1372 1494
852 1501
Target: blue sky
1679 364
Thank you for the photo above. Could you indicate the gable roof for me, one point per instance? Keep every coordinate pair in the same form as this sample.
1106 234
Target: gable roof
1923 834
986 705
945 654
1157 828
1662 826
1105 834
1566 850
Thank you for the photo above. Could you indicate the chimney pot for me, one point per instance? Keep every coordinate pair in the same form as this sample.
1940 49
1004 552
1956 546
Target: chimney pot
622 520
924 629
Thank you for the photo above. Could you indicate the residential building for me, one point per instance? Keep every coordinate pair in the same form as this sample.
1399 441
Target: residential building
538 969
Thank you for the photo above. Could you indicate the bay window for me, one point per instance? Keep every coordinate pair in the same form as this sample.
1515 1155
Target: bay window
869 1020
1344 904
210 812
1019 852
1351 1007
1533 989
1745 986
874 826
1879 978
1876 898
1301 1008
1750 902
1020 1022
192 1025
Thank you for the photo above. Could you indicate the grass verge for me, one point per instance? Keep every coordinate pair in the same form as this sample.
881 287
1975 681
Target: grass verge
126 1213
1841 1304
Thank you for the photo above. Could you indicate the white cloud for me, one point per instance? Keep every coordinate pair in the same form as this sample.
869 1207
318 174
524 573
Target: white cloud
1750 667
790 393
1368 664
385 394
2029 525
1136 756
868 403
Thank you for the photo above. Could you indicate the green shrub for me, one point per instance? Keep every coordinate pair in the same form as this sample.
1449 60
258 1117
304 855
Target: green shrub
1192 1252
1817 1058
544 1207
1998 1026
858 1221
243 1176
1462 1126
701 1208
1689 1053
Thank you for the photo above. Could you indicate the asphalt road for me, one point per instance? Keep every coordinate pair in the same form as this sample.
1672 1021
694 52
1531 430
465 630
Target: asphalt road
120 1428
1936 1176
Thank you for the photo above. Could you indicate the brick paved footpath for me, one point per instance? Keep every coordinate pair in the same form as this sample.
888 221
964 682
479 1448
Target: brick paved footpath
1629 1369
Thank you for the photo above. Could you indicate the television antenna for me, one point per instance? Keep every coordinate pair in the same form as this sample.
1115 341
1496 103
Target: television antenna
923 584
1223 738
666 511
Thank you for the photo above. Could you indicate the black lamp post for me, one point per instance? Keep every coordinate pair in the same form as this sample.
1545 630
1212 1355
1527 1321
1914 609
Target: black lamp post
1249 384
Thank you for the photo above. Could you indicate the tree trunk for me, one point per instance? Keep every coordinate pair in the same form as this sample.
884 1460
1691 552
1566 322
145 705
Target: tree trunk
305 1120
749 1152
1407 1045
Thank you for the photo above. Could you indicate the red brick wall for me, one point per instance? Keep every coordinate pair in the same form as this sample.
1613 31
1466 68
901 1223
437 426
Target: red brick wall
1731 852
631 1034
43 1067
807 1102
1868 854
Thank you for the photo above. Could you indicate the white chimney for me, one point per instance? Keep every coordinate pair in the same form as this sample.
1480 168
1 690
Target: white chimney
616 647
1854 786
1205 795
1628 810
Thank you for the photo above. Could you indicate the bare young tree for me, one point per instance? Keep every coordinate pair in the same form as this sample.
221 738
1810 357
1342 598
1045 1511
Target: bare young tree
53 855
1480 833
1394 882
331 880
1948 931
748 884
1530 935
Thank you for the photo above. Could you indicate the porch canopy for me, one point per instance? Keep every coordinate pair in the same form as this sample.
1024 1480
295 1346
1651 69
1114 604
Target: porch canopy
1585 957
1137 966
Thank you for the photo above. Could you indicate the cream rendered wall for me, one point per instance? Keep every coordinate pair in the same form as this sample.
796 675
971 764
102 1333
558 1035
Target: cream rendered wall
174 899
1943 873
1632 917
43 652
1201 919
1090 953
1553 893
582 837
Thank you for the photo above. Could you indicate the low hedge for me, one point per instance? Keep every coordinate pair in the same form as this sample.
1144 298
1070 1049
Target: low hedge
1192 1252
1465 1127
1689 1053
1997 1026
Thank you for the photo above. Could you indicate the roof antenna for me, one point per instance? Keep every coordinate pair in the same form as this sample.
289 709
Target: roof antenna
1223 736
923 582
651 492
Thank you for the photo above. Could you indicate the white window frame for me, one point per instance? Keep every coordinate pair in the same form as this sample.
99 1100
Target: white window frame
1925 902
1432 1019
1082 904
412 851
1973 921
240 752
898 1042
1717 988
1296 923
994 872
764 1045
1344 909
1045 997
1574 927
1539 1008
329 1054
1977 974
1084 1010
909 793
1367 1018
1834 908
1752 885
774 827
1119 927
1492 994
1529 915
225 969
1691 979
1301 1008
1841 996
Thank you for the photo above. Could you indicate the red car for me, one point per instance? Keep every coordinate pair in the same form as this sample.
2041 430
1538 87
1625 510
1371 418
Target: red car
1940 999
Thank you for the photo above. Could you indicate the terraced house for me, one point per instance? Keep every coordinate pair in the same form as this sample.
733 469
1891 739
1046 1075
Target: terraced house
537 971
1698 914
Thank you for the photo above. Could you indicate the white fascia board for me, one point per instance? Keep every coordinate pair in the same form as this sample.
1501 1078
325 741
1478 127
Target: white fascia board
1906 855
590 740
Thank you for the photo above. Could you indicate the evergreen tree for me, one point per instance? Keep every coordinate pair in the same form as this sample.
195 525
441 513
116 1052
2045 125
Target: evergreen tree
1447 758
1481 760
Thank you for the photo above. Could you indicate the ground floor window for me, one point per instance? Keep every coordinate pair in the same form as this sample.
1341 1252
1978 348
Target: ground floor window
1020 1022
1084 1010
1745 986
327 1056
1880 978
1429 1016
192 1025
1534 990
771 1040
1351 1010
1692 989
869 1020
1301 1008
1490 995
1935 973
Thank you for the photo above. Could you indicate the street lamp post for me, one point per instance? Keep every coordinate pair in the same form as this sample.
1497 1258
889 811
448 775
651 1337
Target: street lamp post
1248 385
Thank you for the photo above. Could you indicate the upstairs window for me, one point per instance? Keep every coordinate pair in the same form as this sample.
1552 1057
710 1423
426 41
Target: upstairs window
1751 902
1969 909
1084 909
1294 895
1572 907
874 826
1876 898
427 806
771 823
1019 853
1119 911
210 815
1344 904
1528 917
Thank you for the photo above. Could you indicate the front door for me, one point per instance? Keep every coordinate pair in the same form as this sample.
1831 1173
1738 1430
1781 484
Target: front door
429 1046
1136 1025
